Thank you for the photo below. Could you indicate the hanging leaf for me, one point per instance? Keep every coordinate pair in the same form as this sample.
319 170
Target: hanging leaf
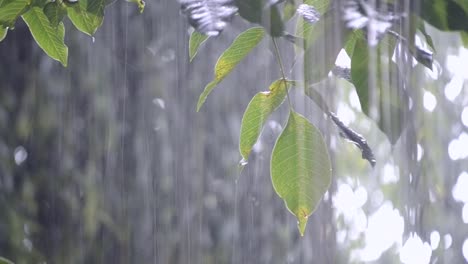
263 12
208 17
10 10
300 168
239 49
87 15
387 95
49 38
355 138
55 12
195 41
257 112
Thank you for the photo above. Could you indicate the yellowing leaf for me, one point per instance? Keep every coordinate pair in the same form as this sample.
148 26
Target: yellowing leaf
238 50
195 41
49 38
259 109
300 168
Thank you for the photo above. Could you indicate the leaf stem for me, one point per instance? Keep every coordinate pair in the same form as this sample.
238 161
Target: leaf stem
280 63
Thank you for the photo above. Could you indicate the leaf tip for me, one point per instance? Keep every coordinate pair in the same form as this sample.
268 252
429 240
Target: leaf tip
301 224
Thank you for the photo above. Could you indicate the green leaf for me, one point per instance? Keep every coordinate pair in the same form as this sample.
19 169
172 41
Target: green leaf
239 49
140 3
300 168
446 15
3 33
195 41
387 95
464 37
5 261
257 112
87 15
49 38
10 10
257 11
55 12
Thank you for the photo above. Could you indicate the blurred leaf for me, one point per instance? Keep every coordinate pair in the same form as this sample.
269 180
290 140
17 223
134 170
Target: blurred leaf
262 12
239 49
10 10
300 168
208 17
322 48
5 261
446 15
388 95
140 3
54 12
289 10
304 28
464 37
3 33
49 38
87 15
358 14
257 112
422 29
195 41
355 138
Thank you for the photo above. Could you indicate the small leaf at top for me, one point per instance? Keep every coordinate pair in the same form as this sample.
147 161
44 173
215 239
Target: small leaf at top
300 168
87 15
208 17
239 49
262 105
54 12
308 13
195 41
49 38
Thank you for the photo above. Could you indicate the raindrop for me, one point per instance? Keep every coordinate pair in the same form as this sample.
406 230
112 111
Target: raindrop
20 154
243 162
93 39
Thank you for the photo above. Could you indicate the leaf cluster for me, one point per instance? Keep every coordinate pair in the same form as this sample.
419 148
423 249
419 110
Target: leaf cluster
300 163
44 19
